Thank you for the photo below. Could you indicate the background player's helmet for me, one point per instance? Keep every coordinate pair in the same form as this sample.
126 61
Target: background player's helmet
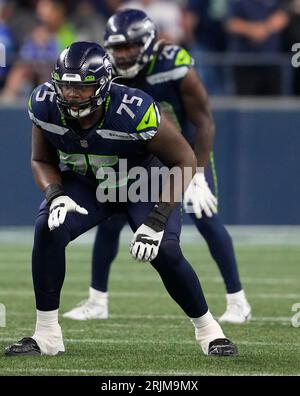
131 26
82 64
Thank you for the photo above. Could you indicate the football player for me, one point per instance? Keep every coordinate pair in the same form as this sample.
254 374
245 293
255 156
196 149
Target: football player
166 73
82 123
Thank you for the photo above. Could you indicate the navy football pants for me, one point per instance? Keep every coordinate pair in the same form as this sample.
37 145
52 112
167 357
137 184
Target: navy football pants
48 256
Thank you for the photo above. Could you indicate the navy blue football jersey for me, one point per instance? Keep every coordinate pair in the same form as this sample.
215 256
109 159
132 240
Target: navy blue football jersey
131 119
161 80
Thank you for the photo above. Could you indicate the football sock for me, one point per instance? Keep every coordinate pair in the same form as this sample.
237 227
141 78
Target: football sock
46 319
48 332
238 296
203 320
97 296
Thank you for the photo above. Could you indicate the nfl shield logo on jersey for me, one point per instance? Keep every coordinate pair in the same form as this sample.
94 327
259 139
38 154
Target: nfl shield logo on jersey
84 143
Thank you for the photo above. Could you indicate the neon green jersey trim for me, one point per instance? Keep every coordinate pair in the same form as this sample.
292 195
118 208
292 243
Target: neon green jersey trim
214 172
151 65
30 102
106 105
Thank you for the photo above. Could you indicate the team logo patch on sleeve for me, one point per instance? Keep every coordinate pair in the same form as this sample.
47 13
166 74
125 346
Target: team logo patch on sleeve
149 120
183 58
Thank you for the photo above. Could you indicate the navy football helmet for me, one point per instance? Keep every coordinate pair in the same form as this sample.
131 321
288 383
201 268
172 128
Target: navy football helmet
130 26
80 65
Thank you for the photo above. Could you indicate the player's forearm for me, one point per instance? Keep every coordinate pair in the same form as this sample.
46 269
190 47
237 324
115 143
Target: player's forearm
203 144
172 192
198 111
180 177
177 155
45 174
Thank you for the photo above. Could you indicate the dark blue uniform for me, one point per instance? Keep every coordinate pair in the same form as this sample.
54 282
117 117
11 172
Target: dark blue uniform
130 120
122 132
161 80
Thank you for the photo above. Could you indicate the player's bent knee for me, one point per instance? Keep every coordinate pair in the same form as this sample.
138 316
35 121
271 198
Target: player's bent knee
59 237
169 254
212 226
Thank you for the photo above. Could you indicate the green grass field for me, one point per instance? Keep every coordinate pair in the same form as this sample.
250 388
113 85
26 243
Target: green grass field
147 334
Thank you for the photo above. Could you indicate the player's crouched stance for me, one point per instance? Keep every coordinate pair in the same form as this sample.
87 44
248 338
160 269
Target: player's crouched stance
85 122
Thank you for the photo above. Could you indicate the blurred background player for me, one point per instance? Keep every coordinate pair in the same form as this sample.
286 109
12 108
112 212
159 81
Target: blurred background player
165 71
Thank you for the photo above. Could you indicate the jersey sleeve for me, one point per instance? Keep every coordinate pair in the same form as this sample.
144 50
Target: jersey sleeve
173 64
38 104
147 120
135 113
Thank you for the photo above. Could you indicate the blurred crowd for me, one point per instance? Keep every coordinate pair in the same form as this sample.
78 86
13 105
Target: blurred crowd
241 47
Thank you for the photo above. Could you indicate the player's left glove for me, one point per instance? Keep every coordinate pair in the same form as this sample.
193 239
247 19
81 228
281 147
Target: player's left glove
147 238
199 197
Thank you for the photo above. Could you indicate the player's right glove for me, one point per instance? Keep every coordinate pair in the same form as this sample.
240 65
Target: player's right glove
147 238
198 197
59 208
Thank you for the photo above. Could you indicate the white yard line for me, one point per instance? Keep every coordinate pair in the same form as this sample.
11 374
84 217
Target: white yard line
244 235
115 294
134 372
182 318
148 277
160 342
107 325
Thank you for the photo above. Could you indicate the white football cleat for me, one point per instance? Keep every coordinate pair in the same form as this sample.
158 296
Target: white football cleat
89 309
238 309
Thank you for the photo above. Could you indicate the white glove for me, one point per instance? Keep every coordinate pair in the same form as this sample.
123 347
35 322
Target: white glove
59 208
200 196
145 243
